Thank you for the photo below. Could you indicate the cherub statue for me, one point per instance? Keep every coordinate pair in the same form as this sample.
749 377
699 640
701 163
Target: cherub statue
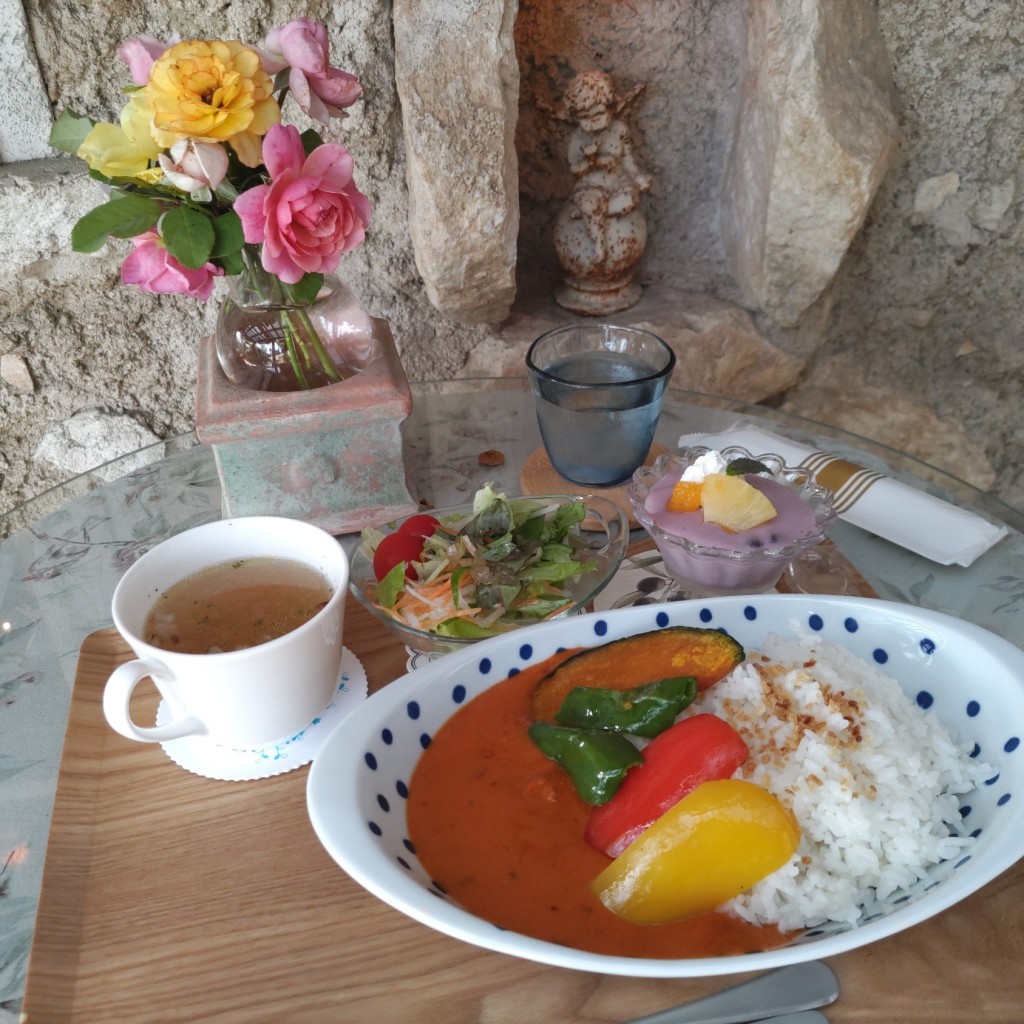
601 234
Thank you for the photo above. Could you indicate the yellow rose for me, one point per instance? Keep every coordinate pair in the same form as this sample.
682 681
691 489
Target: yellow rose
214 90
125 151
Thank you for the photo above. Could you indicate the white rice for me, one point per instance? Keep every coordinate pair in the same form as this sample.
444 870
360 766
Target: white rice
871 778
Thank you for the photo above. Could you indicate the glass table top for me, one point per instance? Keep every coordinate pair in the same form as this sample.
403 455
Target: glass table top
63 552
685 411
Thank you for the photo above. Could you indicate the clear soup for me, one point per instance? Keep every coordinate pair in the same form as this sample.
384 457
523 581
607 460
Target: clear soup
234 605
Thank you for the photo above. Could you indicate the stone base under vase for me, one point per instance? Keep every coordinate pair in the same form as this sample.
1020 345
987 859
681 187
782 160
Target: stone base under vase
331 456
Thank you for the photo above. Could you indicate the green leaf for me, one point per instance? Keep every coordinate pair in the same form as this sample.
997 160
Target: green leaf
134 186
311 140
308 288
543 608
226 191
188 235
232 263
228 235
464 628
392 585
69 131
123 216
566 517
457 575
556 572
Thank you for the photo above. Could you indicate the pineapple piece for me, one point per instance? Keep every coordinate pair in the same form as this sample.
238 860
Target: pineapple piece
734 504
685 497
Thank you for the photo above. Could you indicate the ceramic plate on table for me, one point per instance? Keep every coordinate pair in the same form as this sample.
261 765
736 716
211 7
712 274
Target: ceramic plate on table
970 678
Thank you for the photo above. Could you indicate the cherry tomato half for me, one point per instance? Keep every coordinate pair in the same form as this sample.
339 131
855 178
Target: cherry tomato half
394 548
420 526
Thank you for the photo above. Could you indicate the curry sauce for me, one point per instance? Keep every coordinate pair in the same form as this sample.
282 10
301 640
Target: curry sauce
499 827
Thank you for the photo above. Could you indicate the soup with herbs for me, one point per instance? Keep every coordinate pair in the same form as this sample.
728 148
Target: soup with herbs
234 605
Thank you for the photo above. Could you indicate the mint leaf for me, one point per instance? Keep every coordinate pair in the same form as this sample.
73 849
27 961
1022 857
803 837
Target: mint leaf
69 131
188 235
742 466
123 216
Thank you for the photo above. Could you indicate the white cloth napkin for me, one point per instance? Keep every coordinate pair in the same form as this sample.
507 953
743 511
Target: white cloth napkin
914 520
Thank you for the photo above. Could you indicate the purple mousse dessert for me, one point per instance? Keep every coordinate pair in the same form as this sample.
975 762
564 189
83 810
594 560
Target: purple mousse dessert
695 549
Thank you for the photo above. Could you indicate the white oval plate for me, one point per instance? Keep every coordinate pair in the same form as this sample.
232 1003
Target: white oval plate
972 679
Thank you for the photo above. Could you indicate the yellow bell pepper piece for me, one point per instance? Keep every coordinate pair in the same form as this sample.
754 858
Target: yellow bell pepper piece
710 847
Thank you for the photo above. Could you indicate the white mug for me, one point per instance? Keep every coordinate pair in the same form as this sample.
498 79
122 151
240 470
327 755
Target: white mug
245 698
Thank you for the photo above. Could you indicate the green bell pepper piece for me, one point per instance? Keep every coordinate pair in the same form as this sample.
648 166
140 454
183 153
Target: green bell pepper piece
642 711
595 760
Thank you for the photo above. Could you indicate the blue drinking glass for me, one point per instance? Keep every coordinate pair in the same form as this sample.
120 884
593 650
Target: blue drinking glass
598 390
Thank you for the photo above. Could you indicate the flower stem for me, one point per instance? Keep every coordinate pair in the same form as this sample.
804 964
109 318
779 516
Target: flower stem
303 344
313 336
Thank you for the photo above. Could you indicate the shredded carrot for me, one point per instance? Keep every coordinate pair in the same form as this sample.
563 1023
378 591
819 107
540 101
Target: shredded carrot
427 602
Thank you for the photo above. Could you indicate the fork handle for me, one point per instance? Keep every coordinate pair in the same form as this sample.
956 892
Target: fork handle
786 991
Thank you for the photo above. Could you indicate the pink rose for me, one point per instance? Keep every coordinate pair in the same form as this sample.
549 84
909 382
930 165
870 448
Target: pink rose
320 90
193 165
154 269
310 213
139 54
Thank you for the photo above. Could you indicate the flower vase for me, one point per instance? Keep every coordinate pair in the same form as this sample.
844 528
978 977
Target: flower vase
269 340
331 456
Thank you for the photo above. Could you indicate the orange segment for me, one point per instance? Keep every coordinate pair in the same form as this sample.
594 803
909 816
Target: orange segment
685 496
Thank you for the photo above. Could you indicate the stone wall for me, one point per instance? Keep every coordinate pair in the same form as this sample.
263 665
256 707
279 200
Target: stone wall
835 222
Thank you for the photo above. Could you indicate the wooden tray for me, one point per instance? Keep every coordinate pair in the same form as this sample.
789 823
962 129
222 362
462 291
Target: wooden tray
167 897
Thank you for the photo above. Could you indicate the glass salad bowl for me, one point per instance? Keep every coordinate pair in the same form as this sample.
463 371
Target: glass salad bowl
718 561
597 541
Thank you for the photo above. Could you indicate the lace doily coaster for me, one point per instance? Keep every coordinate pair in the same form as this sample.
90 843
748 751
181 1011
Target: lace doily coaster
200 755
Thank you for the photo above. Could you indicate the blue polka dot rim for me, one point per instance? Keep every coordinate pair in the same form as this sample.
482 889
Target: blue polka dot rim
971 679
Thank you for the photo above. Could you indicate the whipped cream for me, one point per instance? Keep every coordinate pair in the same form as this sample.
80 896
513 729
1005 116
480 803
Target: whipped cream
702 466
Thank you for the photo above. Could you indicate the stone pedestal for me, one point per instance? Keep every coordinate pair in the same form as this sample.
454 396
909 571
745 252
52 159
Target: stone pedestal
331 456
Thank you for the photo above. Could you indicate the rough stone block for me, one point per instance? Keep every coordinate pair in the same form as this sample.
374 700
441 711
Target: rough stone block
25 116
719 349
455 65
815 135
93 437
40 201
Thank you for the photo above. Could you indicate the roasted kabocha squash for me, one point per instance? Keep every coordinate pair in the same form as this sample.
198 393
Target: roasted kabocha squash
706 654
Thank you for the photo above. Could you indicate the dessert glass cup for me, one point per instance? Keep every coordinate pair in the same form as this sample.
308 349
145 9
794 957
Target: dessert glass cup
721 570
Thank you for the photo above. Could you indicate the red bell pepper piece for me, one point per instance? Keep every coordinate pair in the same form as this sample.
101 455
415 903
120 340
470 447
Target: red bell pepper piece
694 750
